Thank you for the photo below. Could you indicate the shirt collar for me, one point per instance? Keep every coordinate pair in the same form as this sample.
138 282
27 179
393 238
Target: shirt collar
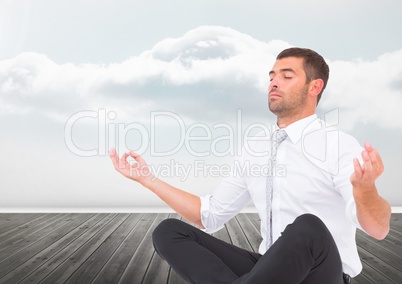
295 130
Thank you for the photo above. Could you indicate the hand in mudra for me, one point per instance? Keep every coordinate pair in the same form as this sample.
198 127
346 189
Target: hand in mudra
365 175
138 171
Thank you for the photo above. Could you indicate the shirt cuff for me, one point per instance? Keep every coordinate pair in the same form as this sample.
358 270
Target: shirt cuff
351 212
206 216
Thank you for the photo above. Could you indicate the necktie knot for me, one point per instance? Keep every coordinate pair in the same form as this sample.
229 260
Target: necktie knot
279 136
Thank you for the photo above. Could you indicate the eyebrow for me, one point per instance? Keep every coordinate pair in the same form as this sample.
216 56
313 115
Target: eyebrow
282 70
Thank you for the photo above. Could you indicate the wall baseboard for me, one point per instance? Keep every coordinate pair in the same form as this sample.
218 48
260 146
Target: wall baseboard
395 209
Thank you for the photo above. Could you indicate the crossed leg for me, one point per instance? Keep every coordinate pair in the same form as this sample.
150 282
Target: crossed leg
305 253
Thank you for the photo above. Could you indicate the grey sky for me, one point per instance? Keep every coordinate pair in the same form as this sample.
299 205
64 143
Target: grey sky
111 31
200 60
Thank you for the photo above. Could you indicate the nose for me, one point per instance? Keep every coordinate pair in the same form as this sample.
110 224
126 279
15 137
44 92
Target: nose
273 84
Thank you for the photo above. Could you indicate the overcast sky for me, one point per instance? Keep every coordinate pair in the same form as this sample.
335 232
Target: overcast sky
77 77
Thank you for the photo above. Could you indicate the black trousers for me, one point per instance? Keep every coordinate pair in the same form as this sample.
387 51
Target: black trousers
305 253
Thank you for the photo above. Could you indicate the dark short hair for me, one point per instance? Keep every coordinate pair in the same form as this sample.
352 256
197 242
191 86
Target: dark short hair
314 64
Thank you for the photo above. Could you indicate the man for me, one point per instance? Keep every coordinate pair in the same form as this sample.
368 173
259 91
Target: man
309 213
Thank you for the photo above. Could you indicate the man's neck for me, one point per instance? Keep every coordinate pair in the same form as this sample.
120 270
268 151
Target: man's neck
283 122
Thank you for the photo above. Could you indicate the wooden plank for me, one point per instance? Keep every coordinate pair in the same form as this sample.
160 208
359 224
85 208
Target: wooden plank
381 250
115 249
361 279
68 267
255 220
250 231
34 243
13 220
18 243
396 221
91 267
29 266
377 270
114 269
137 268
100 221
237 235
25 228
393 241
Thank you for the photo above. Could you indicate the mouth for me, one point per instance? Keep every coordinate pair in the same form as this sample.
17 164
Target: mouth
273 95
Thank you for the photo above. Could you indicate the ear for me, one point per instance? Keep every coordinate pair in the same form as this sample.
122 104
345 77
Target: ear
315 87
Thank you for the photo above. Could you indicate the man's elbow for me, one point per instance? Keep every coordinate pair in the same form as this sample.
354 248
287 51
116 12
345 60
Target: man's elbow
199 224
381 233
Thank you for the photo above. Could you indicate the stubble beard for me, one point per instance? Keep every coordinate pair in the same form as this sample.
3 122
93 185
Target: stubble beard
289 104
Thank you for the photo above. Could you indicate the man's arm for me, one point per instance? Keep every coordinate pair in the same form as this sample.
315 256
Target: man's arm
184 203
373 212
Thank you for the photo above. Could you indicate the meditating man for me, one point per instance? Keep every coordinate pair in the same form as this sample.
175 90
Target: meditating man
309 210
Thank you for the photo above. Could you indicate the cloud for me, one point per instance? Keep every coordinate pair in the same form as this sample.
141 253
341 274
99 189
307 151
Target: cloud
207 74
204 75
367 91
31 82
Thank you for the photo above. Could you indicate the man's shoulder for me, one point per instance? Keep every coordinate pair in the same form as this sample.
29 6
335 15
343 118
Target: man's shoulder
323 129
329 145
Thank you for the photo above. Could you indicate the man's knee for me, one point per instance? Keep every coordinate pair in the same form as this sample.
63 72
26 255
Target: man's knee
310 225
310 220
164 228
162 234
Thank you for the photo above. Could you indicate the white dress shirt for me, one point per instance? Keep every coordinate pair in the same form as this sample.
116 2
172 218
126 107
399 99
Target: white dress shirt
314 165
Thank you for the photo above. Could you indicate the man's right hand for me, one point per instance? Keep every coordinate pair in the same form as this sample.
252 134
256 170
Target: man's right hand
184 203
138 170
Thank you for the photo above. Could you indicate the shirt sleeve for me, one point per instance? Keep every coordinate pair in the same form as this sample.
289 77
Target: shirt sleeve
229 198
349 148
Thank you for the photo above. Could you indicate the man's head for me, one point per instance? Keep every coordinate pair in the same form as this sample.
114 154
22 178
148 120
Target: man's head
297 81
314 64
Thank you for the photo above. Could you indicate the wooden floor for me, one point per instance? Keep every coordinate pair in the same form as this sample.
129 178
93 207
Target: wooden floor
117 248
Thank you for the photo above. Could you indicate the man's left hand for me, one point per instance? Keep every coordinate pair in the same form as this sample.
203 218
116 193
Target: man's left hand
364 176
